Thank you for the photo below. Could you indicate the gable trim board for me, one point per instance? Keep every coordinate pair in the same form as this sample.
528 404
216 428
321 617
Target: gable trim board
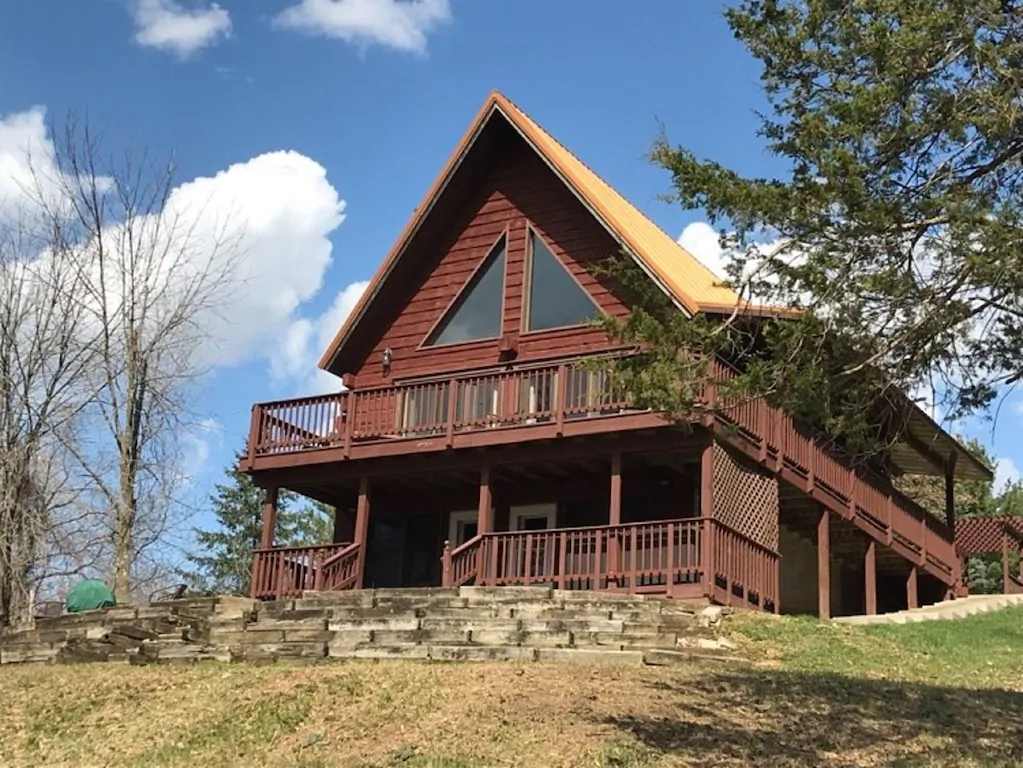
678 273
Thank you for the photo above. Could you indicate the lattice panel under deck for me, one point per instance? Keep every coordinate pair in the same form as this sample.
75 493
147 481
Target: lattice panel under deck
745 498
983 535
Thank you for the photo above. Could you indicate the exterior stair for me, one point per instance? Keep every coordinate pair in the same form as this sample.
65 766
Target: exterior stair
959 608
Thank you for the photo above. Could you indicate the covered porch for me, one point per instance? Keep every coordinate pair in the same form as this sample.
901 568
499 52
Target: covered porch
608 514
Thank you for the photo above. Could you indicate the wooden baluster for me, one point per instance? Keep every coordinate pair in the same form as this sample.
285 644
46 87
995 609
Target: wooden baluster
492 572
634 533
561 385
452 410
528 559
562 565
351 399
597 569
671 559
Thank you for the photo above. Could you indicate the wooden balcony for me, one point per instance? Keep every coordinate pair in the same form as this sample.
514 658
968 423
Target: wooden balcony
491 408
503 407
687 558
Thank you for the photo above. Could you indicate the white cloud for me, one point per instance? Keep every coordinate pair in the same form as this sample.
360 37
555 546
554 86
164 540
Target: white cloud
168 26
277 211
701 240
400 24
28 168
307 338
1006 472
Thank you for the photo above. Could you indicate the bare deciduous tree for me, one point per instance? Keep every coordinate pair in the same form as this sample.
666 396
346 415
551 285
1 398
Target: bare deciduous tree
45 356
153 274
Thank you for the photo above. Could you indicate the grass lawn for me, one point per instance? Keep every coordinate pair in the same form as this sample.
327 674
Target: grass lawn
812 694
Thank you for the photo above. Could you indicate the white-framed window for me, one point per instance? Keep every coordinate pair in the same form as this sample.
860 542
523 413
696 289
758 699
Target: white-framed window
463 525
533 517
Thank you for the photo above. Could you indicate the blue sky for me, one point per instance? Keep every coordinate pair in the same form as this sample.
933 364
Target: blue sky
322 123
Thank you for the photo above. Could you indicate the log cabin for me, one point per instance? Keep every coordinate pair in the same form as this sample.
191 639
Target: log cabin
470 441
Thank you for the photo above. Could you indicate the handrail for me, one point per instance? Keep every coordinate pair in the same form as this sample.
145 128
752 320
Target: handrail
858 493
461 565
352 547
283 572
298 548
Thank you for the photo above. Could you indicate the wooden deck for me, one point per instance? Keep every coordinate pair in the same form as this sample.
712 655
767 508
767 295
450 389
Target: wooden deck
538 405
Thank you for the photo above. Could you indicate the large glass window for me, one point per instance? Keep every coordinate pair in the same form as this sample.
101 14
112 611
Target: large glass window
476 313
554 299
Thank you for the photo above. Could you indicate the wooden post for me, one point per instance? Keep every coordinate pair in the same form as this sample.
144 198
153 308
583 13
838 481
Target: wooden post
484 521
615 511
614 518
824 565
1005 562
362 529
911 599
255 434
870 580
269 518
707 513
950 496
445 568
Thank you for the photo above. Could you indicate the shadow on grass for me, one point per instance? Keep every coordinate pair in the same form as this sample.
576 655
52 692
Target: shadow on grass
786 718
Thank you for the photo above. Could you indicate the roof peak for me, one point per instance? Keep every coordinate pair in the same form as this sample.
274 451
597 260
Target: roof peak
676 271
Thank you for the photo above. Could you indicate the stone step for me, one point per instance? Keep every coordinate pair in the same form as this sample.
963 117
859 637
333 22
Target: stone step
625 640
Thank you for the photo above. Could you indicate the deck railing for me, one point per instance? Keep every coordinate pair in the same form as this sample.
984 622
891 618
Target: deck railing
693 556
549 394
283 572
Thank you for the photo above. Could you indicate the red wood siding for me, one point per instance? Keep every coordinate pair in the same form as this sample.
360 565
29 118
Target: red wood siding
519 189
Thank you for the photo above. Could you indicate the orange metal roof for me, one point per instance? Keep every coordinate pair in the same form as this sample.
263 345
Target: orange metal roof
678 272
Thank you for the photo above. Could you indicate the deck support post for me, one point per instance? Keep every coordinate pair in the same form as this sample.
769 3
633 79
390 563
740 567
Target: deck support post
266 540
362 529
615 511
484 515
614 518
1006 571
824 564
707 514
911 597
870 578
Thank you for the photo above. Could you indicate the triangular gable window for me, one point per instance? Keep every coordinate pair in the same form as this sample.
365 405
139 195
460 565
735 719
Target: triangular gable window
554 298
476 313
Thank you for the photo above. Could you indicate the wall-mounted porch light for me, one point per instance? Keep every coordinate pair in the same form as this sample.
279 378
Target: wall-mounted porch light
386 359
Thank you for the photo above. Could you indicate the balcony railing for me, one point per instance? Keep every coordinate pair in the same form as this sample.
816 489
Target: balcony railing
692 557
282 572
521 397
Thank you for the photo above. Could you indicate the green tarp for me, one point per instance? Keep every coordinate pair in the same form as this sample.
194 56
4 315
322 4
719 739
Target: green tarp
89 596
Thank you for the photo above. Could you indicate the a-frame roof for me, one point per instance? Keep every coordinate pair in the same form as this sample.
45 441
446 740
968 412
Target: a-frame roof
688 282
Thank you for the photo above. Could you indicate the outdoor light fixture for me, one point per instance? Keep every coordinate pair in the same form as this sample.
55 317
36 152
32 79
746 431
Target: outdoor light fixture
387 359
